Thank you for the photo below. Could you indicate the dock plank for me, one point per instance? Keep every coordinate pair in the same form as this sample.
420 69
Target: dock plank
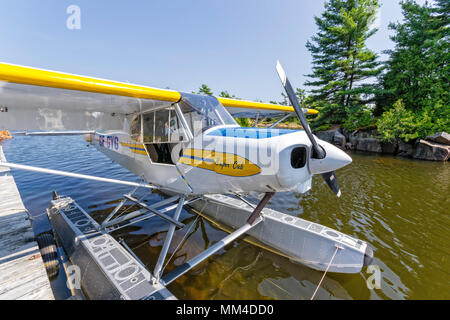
22 270
9 243
14 223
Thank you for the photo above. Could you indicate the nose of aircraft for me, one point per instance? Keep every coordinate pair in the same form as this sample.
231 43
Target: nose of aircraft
334 159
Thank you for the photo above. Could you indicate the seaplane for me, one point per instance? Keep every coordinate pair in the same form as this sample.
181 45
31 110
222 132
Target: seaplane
190 148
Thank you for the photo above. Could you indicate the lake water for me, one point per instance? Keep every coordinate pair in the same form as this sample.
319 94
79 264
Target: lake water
399 206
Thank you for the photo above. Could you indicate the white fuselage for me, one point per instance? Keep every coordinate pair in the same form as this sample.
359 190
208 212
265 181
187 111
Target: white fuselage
224 159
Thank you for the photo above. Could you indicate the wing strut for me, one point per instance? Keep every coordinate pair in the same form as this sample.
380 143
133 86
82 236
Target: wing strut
73 175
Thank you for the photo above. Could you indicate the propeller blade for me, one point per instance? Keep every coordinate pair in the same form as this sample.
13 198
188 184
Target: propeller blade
331 180
318 152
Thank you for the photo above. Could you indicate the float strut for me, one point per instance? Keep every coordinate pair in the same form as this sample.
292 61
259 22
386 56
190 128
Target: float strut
188 265
160 214
257 211
252 222
168 240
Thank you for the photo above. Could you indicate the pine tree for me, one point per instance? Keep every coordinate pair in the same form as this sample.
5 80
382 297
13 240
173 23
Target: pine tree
442 17
225 94
417 74
418 66
205 90
341 60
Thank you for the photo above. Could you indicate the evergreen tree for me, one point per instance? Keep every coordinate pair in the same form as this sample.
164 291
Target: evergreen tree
418 67
225 94
442 17
205 90
341 60
285 102
414 101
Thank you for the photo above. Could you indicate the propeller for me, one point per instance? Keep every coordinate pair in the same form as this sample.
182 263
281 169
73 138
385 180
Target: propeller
318 151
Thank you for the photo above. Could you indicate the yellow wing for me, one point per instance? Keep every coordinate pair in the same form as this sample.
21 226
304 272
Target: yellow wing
242 108
37 99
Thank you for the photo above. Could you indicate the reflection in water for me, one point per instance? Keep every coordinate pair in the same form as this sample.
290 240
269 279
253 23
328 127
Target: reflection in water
398 206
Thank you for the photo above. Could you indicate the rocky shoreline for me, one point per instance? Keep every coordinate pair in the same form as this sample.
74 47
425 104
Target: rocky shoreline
434 148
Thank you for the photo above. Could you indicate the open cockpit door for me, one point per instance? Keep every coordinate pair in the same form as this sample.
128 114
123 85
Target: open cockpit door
163 132
166 130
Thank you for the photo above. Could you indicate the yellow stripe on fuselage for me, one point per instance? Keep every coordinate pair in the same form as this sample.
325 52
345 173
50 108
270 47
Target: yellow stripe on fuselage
139 151
223 163
134 147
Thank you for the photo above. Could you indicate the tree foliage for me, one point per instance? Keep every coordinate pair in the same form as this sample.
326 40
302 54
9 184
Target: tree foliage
418 66
417 72
205 90
400 123
341 61
225 94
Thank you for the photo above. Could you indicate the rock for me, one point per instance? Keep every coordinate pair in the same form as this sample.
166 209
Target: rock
346 133
356 135
368 144
365 134
426 150
437 148
326 135
333 136
349 146
440 137
339 140
353 140
405 149
389 147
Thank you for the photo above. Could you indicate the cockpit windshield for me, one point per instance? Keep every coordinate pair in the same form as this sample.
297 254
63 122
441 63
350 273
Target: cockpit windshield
203 112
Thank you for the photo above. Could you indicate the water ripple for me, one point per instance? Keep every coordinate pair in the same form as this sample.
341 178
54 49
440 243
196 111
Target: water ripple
399 206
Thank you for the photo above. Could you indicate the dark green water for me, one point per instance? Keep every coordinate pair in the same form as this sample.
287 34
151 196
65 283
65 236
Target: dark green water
399 206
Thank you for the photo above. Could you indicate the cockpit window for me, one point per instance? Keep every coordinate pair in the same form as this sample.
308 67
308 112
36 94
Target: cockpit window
163 126
203 112
134 121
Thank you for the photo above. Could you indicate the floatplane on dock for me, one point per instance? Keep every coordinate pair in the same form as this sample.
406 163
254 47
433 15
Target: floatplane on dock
189 147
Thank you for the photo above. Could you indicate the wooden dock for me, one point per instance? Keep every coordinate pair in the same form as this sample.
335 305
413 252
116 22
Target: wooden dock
22 271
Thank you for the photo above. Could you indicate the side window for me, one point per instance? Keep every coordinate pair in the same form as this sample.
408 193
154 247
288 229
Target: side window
193 118
134 122
176 131
163 126
149 127
162 120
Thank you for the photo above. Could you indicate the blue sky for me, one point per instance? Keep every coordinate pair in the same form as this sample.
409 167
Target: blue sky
229 45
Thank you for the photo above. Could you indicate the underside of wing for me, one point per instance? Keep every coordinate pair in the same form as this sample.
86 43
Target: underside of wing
29 107
35 99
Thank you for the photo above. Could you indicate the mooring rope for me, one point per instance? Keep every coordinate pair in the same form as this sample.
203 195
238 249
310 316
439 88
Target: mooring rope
326 270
